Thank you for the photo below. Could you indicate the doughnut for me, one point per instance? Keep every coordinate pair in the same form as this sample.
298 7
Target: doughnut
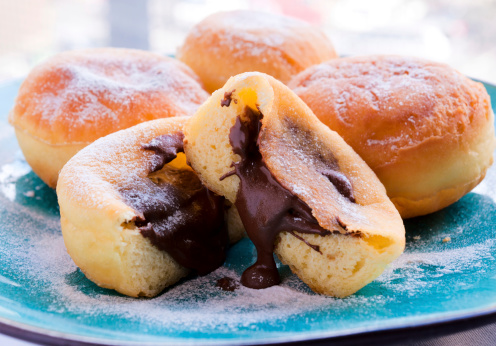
426 130
301 191
135 217
76 97
228 43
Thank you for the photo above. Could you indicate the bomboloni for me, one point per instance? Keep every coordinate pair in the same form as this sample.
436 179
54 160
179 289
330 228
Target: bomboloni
425 129
228 43
76 97
135 217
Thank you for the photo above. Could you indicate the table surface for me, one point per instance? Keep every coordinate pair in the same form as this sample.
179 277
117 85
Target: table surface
7 340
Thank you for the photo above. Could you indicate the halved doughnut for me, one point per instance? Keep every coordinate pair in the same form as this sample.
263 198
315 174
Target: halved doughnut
135 217
302 187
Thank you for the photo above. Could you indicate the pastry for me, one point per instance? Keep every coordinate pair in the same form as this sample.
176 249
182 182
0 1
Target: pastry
300 189
77 97
135 217
228 43
426 130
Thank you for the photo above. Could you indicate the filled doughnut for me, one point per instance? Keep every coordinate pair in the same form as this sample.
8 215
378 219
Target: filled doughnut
301 191
228 43
135 217
77 97
426 130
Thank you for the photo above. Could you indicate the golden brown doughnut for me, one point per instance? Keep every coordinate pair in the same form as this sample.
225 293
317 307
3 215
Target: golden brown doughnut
426 130
76 97
133 220
303 190
228 43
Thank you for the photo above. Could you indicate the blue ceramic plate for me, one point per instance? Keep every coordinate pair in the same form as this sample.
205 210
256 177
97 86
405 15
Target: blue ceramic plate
42 291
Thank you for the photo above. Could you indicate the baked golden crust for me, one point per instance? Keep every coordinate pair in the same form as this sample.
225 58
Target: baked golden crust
77 97
425 129
46 160
98 225
228 43
346 263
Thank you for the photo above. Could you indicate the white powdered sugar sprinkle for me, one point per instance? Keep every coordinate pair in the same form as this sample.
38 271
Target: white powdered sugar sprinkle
409 266
252 33
80 91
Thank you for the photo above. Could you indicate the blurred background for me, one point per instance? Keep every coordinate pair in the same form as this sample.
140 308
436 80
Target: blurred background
461 33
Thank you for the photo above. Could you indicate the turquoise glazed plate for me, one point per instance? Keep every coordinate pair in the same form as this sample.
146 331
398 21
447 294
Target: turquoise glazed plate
43 293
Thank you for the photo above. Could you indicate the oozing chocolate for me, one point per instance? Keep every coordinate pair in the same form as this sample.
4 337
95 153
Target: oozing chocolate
227 284
266 208
179 214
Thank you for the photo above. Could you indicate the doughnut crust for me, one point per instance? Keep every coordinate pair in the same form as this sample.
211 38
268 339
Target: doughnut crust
426 130
365 236
100 226
76 97
228 43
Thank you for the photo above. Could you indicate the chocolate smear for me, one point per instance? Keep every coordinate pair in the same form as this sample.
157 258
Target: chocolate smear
166 148
314 247
178 214
266 208
340 182
327 165
226 101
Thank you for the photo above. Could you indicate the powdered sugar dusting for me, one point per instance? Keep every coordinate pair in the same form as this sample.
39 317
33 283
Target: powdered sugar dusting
376 86
195 304
33 246
115 161
301 173
413 267
395 100
250 32
92 91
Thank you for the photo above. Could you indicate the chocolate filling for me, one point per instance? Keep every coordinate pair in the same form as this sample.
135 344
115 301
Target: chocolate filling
267 208
178 214
226 101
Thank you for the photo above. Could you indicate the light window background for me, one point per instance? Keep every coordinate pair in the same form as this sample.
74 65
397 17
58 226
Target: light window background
459 32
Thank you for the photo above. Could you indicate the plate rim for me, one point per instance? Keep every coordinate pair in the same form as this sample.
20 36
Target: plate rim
30 333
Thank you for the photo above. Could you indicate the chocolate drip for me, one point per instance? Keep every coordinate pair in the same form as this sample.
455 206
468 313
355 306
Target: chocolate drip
266 208
179 214
227 284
